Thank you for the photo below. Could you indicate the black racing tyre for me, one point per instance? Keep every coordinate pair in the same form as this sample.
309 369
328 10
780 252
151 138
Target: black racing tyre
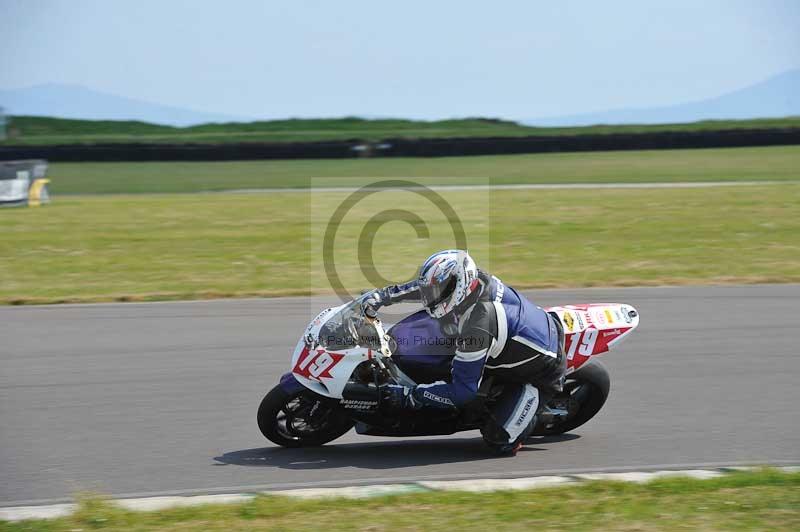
585 393
301 419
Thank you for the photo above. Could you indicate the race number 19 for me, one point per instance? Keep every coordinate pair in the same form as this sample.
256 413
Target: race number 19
582 343
321 363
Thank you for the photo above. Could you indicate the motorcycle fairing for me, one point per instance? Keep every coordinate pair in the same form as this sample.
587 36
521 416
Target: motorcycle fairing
324 371
290 384
594 328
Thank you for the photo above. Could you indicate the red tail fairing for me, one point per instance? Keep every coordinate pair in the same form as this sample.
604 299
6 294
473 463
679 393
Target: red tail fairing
593 329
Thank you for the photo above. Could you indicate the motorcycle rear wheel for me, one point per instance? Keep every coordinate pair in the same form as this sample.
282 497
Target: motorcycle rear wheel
300 419
585 393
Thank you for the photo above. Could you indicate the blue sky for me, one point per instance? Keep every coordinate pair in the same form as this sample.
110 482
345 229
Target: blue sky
433 59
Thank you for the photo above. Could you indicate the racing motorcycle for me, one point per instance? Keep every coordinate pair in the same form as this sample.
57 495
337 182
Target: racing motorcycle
345 359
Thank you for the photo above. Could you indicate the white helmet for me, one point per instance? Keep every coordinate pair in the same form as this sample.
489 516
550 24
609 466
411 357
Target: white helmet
445 280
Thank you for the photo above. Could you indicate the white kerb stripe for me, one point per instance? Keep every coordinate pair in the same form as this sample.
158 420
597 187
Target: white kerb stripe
530 344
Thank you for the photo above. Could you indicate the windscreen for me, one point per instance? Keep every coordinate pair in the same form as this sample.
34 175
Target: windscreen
348 328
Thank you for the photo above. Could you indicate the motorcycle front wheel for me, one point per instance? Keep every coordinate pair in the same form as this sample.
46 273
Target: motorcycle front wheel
301 419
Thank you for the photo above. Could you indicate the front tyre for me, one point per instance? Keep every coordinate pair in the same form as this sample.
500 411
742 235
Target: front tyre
300 419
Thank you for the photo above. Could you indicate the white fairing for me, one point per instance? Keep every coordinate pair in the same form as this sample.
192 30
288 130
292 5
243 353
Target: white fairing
324 371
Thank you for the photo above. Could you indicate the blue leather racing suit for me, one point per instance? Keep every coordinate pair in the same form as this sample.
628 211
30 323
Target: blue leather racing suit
498 332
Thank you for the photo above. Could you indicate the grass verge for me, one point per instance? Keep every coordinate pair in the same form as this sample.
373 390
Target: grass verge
728 164
156 247
764 500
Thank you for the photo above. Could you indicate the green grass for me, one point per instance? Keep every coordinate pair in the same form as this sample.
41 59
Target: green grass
766 500
140 247
31 130
730 164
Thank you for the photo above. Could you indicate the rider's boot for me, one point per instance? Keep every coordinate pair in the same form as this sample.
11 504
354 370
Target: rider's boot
511 449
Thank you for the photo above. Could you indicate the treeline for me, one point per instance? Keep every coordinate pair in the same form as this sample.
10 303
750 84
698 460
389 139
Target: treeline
34 130
404 147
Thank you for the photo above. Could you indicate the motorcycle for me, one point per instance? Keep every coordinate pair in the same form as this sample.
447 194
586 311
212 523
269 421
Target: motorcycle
345 359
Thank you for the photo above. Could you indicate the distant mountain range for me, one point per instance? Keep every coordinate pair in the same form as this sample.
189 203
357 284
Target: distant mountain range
74 101
778 96
775 97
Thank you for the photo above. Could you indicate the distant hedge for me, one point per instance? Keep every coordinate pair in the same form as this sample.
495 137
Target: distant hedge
576 143
436 147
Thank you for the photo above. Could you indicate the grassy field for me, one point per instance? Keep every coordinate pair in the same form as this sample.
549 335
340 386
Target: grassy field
139 247
764 500
31 130
732 164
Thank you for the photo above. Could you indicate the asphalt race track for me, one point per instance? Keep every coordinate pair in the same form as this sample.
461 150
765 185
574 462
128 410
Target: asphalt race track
135 399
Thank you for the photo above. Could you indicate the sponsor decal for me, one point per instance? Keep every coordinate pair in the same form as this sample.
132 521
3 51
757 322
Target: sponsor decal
614 332
581 325
608 316
500 290
525 410
569 321
599 318
355 404
444 400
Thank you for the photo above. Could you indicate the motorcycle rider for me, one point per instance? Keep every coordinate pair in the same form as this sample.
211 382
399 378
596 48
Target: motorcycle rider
498 332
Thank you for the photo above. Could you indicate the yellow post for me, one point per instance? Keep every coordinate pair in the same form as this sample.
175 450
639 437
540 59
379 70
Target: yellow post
35 192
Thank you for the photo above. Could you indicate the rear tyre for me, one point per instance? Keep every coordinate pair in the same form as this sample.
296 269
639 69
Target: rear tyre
585 393
301 419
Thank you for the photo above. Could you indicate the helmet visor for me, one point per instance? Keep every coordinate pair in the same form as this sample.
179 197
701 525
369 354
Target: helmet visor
434 294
